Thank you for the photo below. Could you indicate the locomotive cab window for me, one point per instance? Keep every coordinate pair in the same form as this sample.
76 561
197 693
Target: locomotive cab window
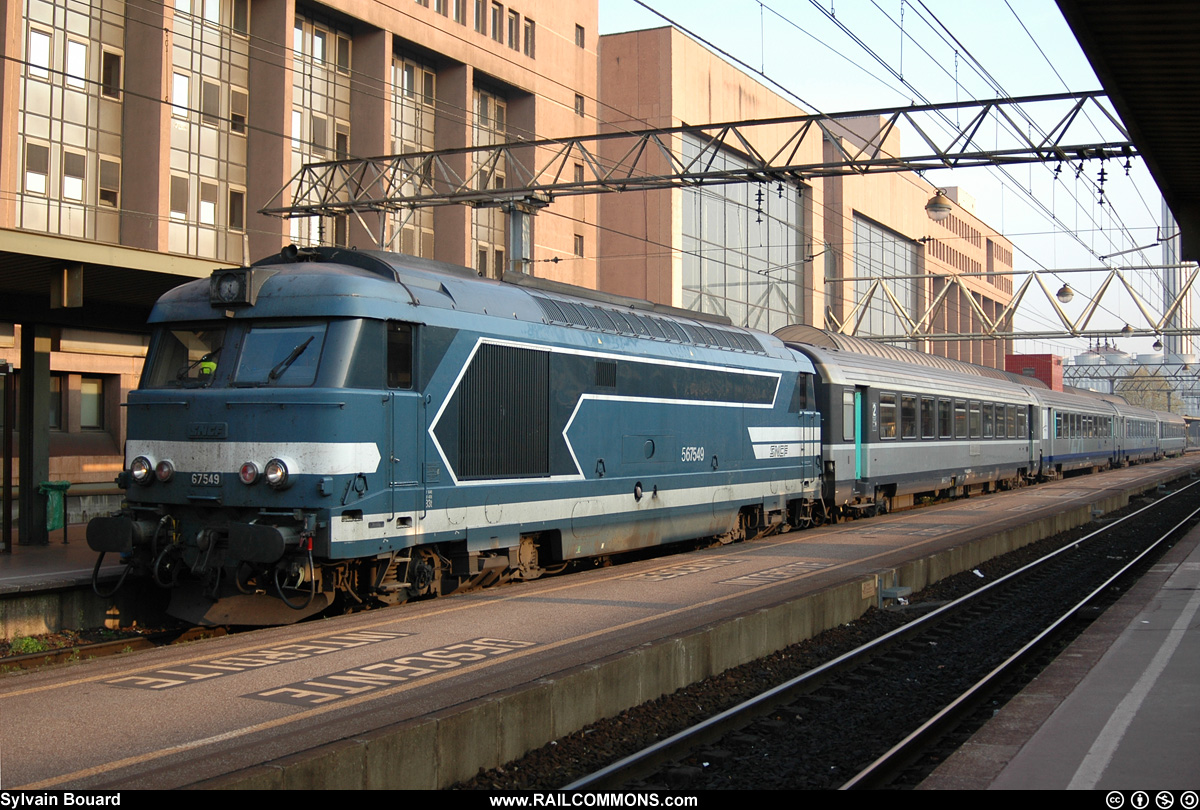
184 357
399 355
278 355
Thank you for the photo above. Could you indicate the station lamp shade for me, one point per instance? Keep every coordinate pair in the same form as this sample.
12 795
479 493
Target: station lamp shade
1065 293
939 206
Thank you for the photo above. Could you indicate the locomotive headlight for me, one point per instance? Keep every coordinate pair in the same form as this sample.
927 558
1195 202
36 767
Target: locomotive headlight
140 469
164 470
278 473
248 473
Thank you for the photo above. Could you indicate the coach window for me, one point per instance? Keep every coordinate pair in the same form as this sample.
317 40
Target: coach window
989 417
960 419
946 418
908 417
1012 420
1022 423
848 415
887 416
976 420
399 355
928 418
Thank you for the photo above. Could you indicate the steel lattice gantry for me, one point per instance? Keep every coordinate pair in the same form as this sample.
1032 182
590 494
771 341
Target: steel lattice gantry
1032 129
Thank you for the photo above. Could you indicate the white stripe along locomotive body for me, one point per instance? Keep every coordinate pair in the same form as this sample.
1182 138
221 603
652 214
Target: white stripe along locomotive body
376 427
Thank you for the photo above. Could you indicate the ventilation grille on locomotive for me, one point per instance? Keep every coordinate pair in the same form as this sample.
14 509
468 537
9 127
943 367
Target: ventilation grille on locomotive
504 414
651 327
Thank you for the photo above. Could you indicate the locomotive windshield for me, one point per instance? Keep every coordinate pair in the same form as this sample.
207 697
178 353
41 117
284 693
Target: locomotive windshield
184 358
280 355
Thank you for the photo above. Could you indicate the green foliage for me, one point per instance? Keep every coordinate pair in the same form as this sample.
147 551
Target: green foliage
24 645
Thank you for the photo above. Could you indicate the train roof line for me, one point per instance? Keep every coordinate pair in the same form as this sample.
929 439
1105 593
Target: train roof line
823 339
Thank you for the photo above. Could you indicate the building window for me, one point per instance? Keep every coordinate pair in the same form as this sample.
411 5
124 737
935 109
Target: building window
179 197
76 64
440 7
180 87
578 172
237 210
37 167
514 30
579 105
239 103
320 136
530 30
184 6
208 203
91 403
110 74
341 141
39 54
580 38
343 54
497 22
460 11
56 402
318 46
241 16
297 127
579 245
210 103
74 169
110 183
212 11
481 17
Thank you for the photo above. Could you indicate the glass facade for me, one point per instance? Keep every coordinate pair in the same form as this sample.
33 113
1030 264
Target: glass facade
320 114
70 119
414 99
879 252
210 64
489 224
743 249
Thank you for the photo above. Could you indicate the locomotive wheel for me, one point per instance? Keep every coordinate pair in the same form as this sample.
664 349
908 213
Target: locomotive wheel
425 573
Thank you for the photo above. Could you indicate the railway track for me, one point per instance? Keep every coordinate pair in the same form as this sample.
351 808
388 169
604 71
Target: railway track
821 729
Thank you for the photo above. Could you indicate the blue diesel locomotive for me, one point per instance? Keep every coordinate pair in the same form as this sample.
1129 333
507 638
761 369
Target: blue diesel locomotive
355 425
377 427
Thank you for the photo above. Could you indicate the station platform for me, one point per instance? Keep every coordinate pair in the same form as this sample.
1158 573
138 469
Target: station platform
1118 710
53 565
426 694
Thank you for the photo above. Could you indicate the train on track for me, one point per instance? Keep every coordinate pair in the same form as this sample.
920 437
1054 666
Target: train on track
334 424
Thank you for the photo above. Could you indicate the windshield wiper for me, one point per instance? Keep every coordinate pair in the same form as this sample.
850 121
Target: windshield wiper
278 371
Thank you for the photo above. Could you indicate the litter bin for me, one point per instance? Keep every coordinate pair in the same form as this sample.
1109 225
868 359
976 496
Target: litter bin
56 504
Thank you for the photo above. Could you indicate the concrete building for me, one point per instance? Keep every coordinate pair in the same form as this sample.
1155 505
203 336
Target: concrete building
773 254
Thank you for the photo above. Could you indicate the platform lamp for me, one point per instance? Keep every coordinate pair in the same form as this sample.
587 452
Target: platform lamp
1065 293
1158 344
1126 330
939 206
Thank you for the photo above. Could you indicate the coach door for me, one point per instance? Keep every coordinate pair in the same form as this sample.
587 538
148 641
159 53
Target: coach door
853 403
